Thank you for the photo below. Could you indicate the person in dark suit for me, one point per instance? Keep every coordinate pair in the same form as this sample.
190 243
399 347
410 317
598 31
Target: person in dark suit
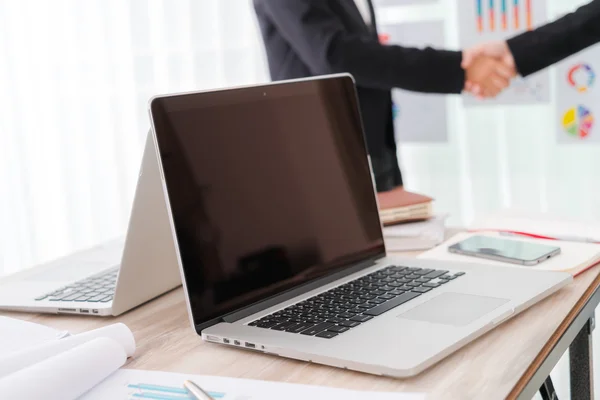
551 43
540 48
305 38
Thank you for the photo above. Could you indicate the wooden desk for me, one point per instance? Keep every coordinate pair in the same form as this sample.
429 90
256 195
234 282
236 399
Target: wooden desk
512 361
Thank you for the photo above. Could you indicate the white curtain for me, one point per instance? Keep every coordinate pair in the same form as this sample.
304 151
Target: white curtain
75 80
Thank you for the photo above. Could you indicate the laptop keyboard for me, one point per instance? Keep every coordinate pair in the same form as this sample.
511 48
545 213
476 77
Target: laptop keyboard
349 305
95 289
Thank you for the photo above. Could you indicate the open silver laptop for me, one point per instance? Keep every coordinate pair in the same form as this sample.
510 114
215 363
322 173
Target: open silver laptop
280 243
111 278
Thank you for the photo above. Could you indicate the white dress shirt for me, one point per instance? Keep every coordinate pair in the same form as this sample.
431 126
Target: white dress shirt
363 7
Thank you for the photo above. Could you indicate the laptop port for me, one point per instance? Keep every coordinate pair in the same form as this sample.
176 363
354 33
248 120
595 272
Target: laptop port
95 311
67 310
237 343
226 341
250 345
84 311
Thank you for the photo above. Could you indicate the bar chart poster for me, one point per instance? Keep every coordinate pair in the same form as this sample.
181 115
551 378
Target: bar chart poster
482 21
418 117
578 98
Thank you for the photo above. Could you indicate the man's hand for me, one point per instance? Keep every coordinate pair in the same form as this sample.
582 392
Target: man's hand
498 51
487 77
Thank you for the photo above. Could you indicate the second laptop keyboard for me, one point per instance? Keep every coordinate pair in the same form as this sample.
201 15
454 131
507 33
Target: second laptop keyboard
347 306
95 289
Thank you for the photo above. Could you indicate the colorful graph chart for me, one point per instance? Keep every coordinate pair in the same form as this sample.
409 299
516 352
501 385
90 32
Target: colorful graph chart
581 77
578 122
156 392
487 17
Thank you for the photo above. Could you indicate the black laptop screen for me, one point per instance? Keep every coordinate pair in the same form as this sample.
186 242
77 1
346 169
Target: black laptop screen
269 188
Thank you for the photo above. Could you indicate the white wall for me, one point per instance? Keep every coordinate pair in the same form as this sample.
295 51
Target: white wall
75 80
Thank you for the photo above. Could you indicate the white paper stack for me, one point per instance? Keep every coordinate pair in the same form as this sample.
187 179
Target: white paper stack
416 235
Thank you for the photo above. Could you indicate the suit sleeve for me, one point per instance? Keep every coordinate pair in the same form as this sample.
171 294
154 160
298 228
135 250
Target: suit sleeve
318 36
542 47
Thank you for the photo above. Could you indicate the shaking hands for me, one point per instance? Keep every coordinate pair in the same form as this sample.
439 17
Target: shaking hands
489 68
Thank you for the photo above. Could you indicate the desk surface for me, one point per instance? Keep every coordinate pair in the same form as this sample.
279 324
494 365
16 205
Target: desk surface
497 365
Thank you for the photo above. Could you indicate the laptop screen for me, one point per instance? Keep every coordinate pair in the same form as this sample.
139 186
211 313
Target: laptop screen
269 188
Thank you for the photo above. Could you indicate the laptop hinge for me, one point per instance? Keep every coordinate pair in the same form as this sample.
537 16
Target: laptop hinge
283 297
290 294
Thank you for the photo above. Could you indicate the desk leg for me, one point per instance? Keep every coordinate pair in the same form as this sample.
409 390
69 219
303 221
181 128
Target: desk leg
580 362
547 390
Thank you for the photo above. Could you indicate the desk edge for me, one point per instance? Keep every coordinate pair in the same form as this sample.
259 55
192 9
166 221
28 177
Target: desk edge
558 334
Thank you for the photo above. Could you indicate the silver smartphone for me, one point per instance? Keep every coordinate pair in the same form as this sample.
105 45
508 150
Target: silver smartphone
507 250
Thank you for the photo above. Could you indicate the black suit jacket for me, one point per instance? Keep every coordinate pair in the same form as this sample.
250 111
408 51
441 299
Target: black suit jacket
317 37
542 47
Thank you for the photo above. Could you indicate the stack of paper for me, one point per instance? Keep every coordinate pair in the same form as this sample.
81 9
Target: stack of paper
416 235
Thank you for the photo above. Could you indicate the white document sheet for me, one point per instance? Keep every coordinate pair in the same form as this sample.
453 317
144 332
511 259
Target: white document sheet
68 375
16 361
135 384
17 335
540 224
573 257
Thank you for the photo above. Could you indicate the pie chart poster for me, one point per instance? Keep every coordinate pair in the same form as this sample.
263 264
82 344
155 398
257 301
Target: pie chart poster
578 98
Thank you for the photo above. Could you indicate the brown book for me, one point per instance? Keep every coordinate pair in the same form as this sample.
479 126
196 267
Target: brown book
398 205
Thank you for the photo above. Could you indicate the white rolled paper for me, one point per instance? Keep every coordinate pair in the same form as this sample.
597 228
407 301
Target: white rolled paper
68 375
14 362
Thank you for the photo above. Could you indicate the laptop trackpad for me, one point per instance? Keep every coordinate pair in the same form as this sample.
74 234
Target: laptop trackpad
454 309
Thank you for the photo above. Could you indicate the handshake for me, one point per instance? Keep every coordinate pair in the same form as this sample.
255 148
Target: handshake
489 68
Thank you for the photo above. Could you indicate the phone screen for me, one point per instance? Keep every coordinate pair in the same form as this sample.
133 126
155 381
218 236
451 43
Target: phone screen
506 248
